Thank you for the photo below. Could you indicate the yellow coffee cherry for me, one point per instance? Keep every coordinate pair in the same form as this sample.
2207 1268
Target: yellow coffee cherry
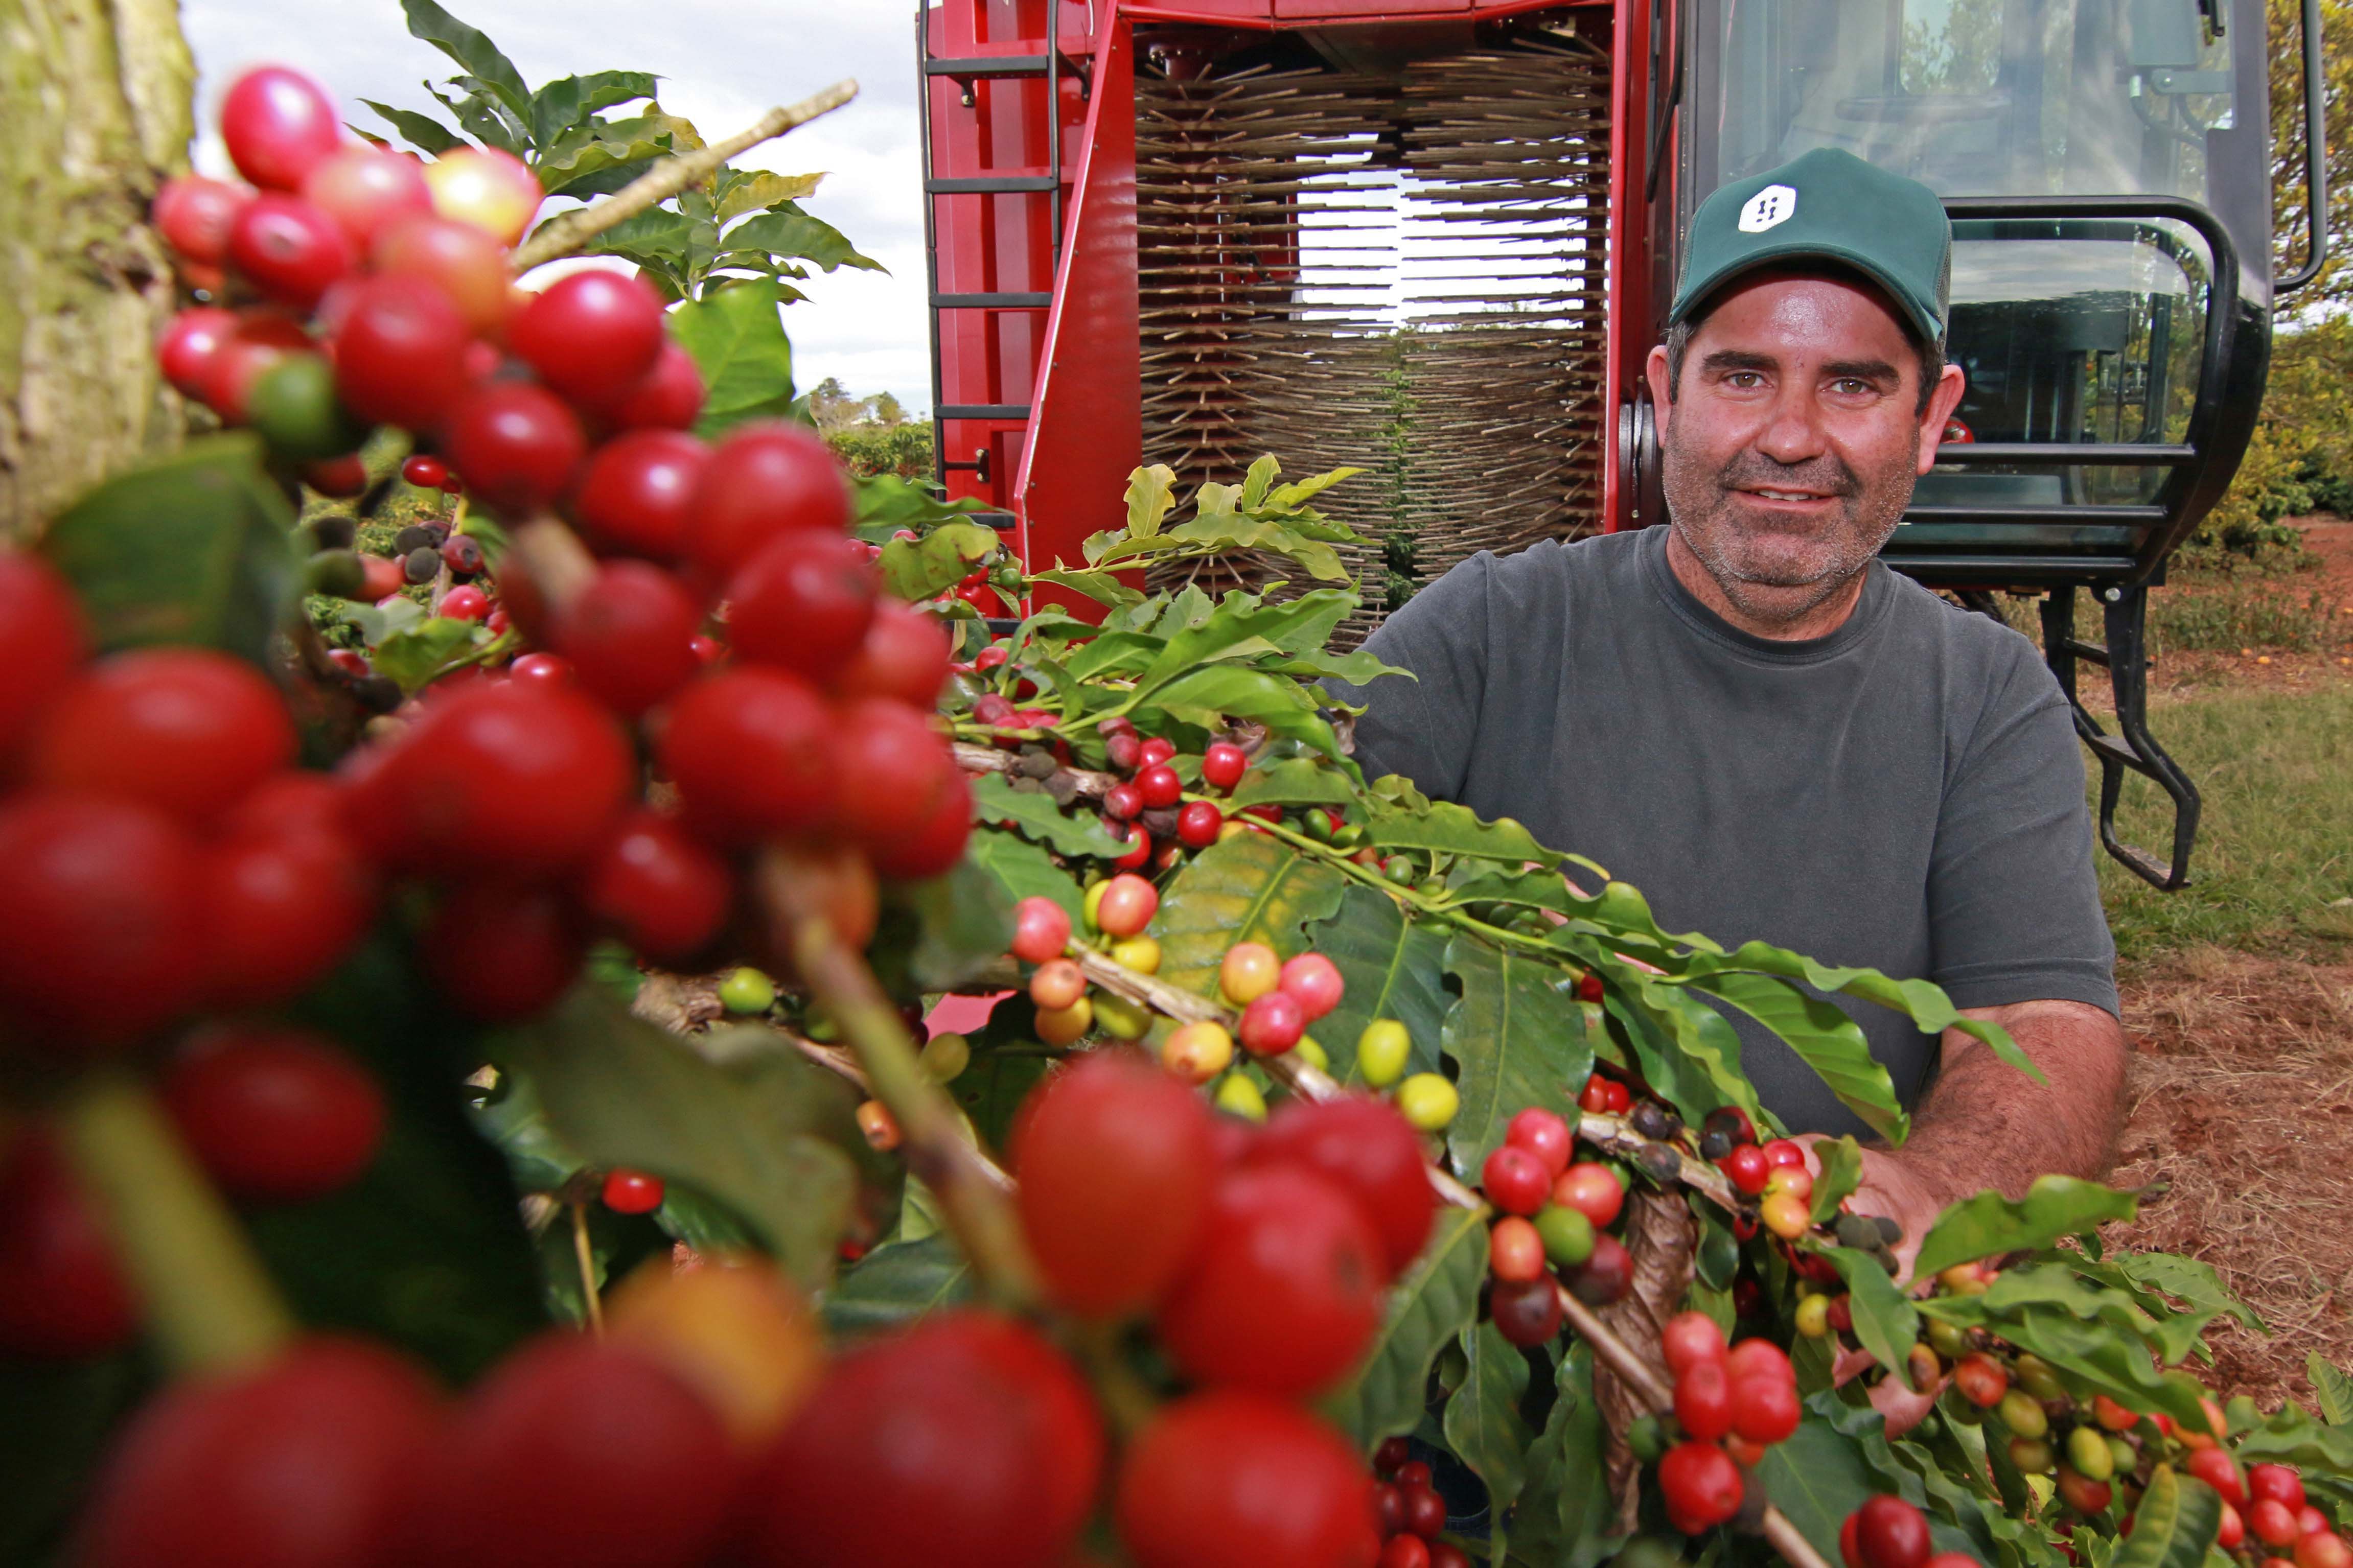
1198 1052
1140 953
1238 1096
1121 1018
1248 971
1061 1026
946 1056
1094 901
1428 1100
1314 1055
1382 1050
736 1330
1786 1215
1814 1317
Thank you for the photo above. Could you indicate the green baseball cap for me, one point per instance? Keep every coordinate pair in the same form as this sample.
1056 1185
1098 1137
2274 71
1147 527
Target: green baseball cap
1828 205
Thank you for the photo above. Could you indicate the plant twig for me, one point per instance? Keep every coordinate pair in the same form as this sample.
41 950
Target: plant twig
971 1189
563 235
209 1301
587 1257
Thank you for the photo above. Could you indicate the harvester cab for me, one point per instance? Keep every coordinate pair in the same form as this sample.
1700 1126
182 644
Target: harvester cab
1435 239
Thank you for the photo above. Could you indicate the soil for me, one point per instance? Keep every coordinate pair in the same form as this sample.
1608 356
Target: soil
2242 1103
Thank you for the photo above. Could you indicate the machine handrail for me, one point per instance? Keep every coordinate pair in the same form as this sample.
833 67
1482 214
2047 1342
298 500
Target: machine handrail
2315 158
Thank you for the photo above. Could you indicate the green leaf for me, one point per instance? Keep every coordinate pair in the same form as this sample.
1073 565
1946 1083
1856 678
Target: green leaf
471 50
196 547
1686 1049
1518 1039
745 191
1247 888
1292 496
600 145
964 923
1036 815
2100 1358
2174 1526
885 503
897 1283
561 104
1210 695
1150 494
1565 1516
1100 587
2331 1388
420 129
1450 829
762 1132
1393 968
991 1088
737 340
1433 1300
1886 1323
1294 780
1842 1162
793 233
703 1222
1226 531
916 569
2185 1278
415 655
1483 1421
1990 1223
1825 1039
2291 1436
656 232
1259 481
1024 871
1114 655
1839 1457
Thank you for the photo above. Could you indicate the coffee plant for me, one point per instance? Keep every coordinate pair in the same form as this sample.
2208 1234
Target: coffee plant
470 1095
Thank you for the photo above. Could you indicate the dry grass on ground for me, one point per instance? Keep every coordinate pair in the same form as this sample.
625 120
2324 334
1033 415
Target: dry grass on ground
2242 1100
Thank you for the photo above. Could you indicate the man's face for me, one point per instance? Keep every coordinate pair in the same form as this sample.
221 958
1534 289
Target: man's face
1791 445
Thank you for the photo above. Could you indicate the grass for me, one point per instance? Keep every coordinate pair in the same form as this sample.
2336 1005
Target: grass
2274 849
2278 603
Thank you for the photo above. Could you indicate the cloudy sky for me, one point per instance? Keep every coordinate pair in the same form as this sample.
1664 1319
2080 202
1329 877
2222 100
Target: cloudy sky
724 61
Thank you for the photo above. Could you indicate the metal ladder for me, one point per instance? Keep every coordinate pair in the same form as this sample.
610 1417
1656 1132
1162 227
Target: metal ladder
969 72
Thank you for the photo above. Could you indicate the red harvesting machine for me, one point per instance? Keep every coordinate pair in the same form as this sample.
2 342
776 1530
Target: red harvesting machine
1434 239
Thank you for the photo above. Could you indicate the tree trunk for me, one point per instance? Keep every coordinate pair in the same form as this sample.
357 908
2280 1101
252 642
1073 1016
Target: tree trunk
95 113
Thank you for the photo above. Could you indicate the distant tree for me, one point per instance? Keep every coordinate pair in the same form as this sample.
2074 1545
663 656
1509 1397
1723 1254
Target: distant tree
886 409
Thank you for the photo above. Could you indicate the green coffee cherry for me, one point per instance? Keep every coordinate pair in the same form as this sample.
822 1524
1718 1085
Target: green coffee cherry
1950 1339
1647 1438
1120 1018
1382 1050
2022 1414
2125 1456
1429 1101
1814 1317
2031 1455
1567 1235
746 990
2087 1450
1314 1055
1238 1096
946 1056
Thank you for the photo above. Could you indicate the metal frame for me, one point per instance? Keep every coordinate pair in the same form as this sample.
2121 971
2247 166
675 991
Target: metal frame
2133 749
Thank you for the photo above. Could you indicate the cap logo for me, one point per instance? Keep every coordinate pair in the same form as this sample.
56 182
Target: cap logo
1770 207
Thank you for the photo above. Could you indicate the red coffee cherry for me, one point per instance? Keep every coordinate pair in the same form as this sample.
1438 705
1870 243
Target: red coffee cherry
516 446
903 655
289 249
1544 1135
1891 1533
201 1473
1042 929
364 188
279 904
1115 1169
503 951
190 344
195 214
1514 1180
1764 1407
1155 751
667 398
766 478
1242 1480
1592 1191
632 1192
628 635
1701 1484
457 259
1604 1278
892 768
2218 1469
275 1115
42 642
400 353
2273 1522
1704 1401
751 752
1222 764
61 1292
425 473
657 887
184 730
635 493
1197 826
573 1450
1689 1339
966 1439
592 336
1748 1168
2278 1483
1285 1288
466 602
1405 1552
1372 1153
803 602
338 478
1314 981
1425 1510
98 898
934 848
1158 785
524 778
1981 1379
1121 801
1272 1025
1526 1311
279 125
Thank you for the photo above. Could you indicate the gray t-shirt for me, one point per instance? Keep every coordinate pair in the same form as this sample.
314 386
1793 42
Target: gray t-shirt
1905 793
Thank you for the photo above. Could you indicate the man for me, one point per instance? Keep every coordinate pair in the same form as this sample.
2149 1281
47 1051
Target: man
1771 734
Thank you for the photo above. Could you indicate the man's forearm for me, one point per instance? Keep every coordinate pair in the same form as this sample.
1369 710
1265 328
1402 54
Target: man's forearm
1985 1124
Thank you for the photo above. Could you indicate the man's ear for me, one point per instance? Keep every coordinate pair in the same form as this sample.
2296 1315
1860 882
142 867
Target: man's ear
1663 388
1941 404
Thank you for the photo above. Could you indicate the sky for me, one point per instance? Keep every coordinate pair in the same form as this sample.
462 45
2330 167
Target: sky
725 62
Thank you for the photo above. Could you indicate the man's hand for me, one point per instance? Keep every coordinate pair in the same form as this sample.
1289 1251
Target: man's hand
1985 1124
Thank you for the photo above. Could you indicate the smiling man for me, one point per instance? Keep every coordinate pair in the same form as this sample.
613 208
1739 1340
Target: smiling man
1775 737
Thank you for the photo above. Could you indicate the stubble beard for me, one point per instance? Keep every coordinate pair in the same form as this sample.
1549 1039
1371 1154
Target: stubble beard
1702 508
